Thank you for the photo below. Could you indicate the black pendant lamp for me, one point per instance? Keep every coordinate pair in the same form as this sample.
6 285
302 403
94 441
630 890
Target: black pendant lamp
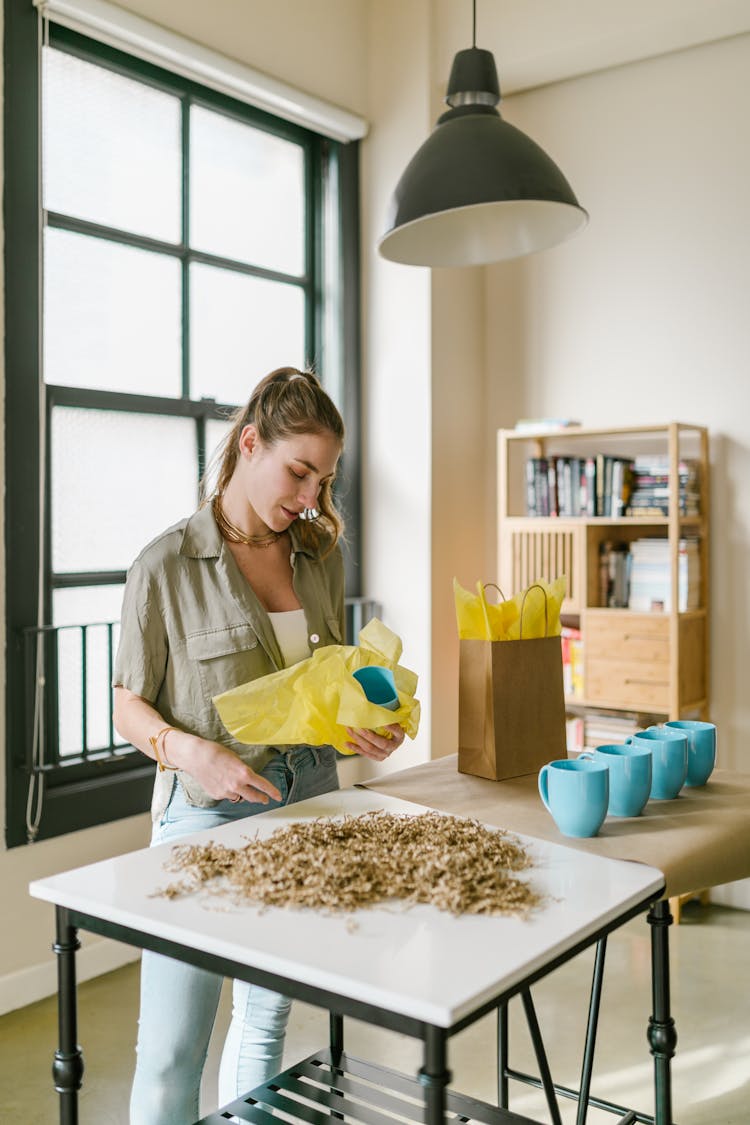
478 190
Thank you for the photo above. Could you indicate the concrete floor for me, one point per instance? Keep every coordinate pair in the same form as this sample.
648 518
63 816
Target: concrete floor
710 953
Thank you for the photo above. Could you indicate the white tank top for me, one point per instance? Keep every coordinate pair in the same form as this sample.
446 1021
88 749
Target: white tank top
290 628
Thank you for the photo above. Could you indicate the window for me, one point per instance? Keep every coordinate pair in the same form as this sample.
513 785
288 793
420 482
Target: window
185 245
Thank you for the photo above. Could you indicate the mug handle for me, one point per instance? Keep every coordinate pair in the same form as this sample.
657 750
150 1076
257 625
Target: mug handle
587 754
628 740
543 789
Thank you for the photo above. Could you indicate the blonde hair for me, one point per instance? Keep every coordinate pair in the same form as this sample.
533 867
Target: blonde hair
287 402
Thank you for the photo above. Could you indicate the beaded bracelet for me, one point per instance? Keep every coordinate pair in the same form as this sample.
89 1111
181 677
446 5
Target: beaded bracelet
161 759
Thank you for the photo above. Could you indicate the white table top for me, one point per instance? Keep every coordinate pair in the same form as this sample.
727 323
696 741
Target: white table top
418 962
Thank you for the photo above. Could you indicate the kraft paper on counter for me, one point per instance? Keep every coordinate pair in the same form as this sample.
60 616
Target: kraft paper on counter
480 620
313 701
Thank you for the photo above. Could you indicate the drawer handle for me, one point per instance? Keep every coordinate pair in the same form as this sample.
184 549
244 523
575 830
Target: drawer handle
643 637
658 683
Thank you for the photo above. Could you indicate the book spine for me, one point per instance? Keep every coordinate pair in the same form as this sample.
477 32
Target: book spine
530 488
607 489
589 473
599 484
553 487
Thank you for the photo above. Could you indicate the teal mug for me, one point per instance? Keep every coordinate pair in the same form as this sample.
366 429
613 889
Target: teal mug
629 776
701 748
576 793
378 685
668 760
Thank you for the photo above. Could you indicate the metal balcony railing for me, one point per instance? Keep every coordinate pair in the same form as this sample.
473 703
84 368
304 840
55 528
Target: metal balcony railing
69 696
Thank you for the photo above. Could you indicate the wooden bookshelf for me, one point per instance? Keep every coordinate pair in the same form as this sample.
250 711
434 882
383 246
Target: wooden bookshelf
652 662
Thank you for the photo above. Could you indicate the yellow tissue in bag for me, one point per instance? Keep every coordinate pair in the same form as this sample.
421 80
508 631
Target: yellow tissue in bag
480 620
313 701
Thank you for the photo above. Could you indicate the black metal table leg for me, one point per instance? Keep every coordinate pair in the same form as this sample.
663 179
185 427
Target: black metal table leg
591 1028
662 1035
336 1043
502 1056
67 1069
541 1057
434 1076
336 1035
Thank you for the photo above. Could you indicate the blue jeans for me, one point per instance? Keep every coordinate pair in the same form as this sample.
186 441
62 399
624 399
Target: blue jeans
179 1002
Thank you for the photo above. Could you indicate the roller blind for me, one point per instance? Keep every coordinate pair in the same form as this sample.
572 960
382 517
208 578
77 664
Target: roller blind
128 32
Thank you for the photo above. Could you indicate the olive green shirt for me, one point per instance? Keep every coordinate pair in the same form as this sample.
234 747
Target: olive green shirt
192 627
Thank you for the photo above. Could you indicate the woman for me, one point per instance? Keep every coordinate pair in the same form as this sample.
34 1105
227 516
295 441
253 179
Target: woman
242 588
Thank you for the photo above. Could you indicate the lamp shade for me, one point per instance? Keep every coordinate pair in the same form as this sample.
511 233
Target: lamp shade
478 190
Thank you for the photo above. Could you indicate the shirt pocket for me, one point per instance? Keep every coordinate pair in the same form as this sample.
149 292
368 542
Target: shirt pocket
226 658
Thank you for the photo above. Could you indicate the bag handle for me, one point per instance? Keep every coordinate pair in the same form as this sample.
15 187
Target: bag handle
534 586
495 586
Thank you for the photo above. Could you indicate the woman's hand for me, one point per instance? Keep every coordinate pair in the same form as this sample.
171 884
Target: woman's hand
217 769
220 771
376 746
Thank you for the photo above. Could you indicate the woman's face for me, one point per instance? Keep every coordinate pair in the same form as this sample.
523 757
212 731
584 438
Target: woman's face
283 479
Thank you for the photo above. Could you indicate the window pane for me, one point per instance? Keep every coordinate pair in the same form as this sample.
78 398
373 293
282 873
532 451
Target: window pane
112 148
112 316
246 193
216 431
85 605
241 328
117 481
333 311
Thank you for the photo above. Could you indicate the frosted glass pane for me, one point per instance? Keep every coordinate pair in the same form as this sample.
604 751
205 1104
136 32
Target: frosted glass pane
247 198
241 328
117 481
85 605
216 431
112 316
112 148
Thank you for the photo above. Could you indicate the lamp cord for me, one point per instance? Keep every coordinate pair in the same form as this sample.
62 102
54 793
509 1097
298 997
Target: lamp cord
474 23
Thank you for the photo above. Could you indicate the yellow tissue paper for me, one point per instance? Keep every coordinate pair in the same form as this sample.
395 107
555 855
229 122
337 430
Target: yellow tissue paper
313 701
480 620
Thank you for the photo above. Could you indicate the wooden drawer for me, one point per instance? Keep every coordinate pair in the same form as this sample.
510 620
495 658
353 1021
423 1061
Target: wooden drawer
627 638
627 660
642 685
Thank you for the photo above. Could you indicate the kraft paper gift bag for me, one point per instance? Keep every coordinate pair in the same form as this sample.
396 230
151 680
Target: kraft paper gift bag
511 707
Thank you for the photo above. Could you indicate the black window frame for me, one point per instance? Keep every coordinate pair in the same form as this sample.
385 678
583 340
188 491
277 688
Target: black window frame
106 787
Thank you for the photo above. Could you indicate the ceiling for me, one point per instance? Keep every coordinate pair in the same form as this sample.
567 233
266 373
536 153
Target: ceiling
536 42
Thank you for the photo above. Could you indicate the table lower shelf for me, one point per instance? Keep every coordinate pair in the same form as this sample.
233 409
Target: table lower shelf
316 1090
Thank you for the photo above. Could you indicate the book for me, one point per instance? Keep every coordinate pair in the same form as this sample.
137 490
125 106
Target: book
544 425
651 575
588 489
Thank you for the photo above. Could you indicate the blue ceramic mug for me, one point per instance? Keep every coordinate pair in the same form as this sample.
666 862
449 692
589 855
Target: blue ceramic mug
378 685
668 760
701 748
576 793
629 776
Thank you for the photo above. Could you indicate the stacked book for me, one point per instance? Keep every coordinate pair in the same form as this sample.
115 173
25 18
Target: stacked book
650 494
572 658
651 576
574 734
608 486
614 574
578 486
611 729
603 728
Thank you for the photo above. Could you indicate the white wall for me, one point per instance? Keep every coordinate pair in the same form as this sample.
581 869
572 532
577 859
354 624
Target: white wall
397 353
644 316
